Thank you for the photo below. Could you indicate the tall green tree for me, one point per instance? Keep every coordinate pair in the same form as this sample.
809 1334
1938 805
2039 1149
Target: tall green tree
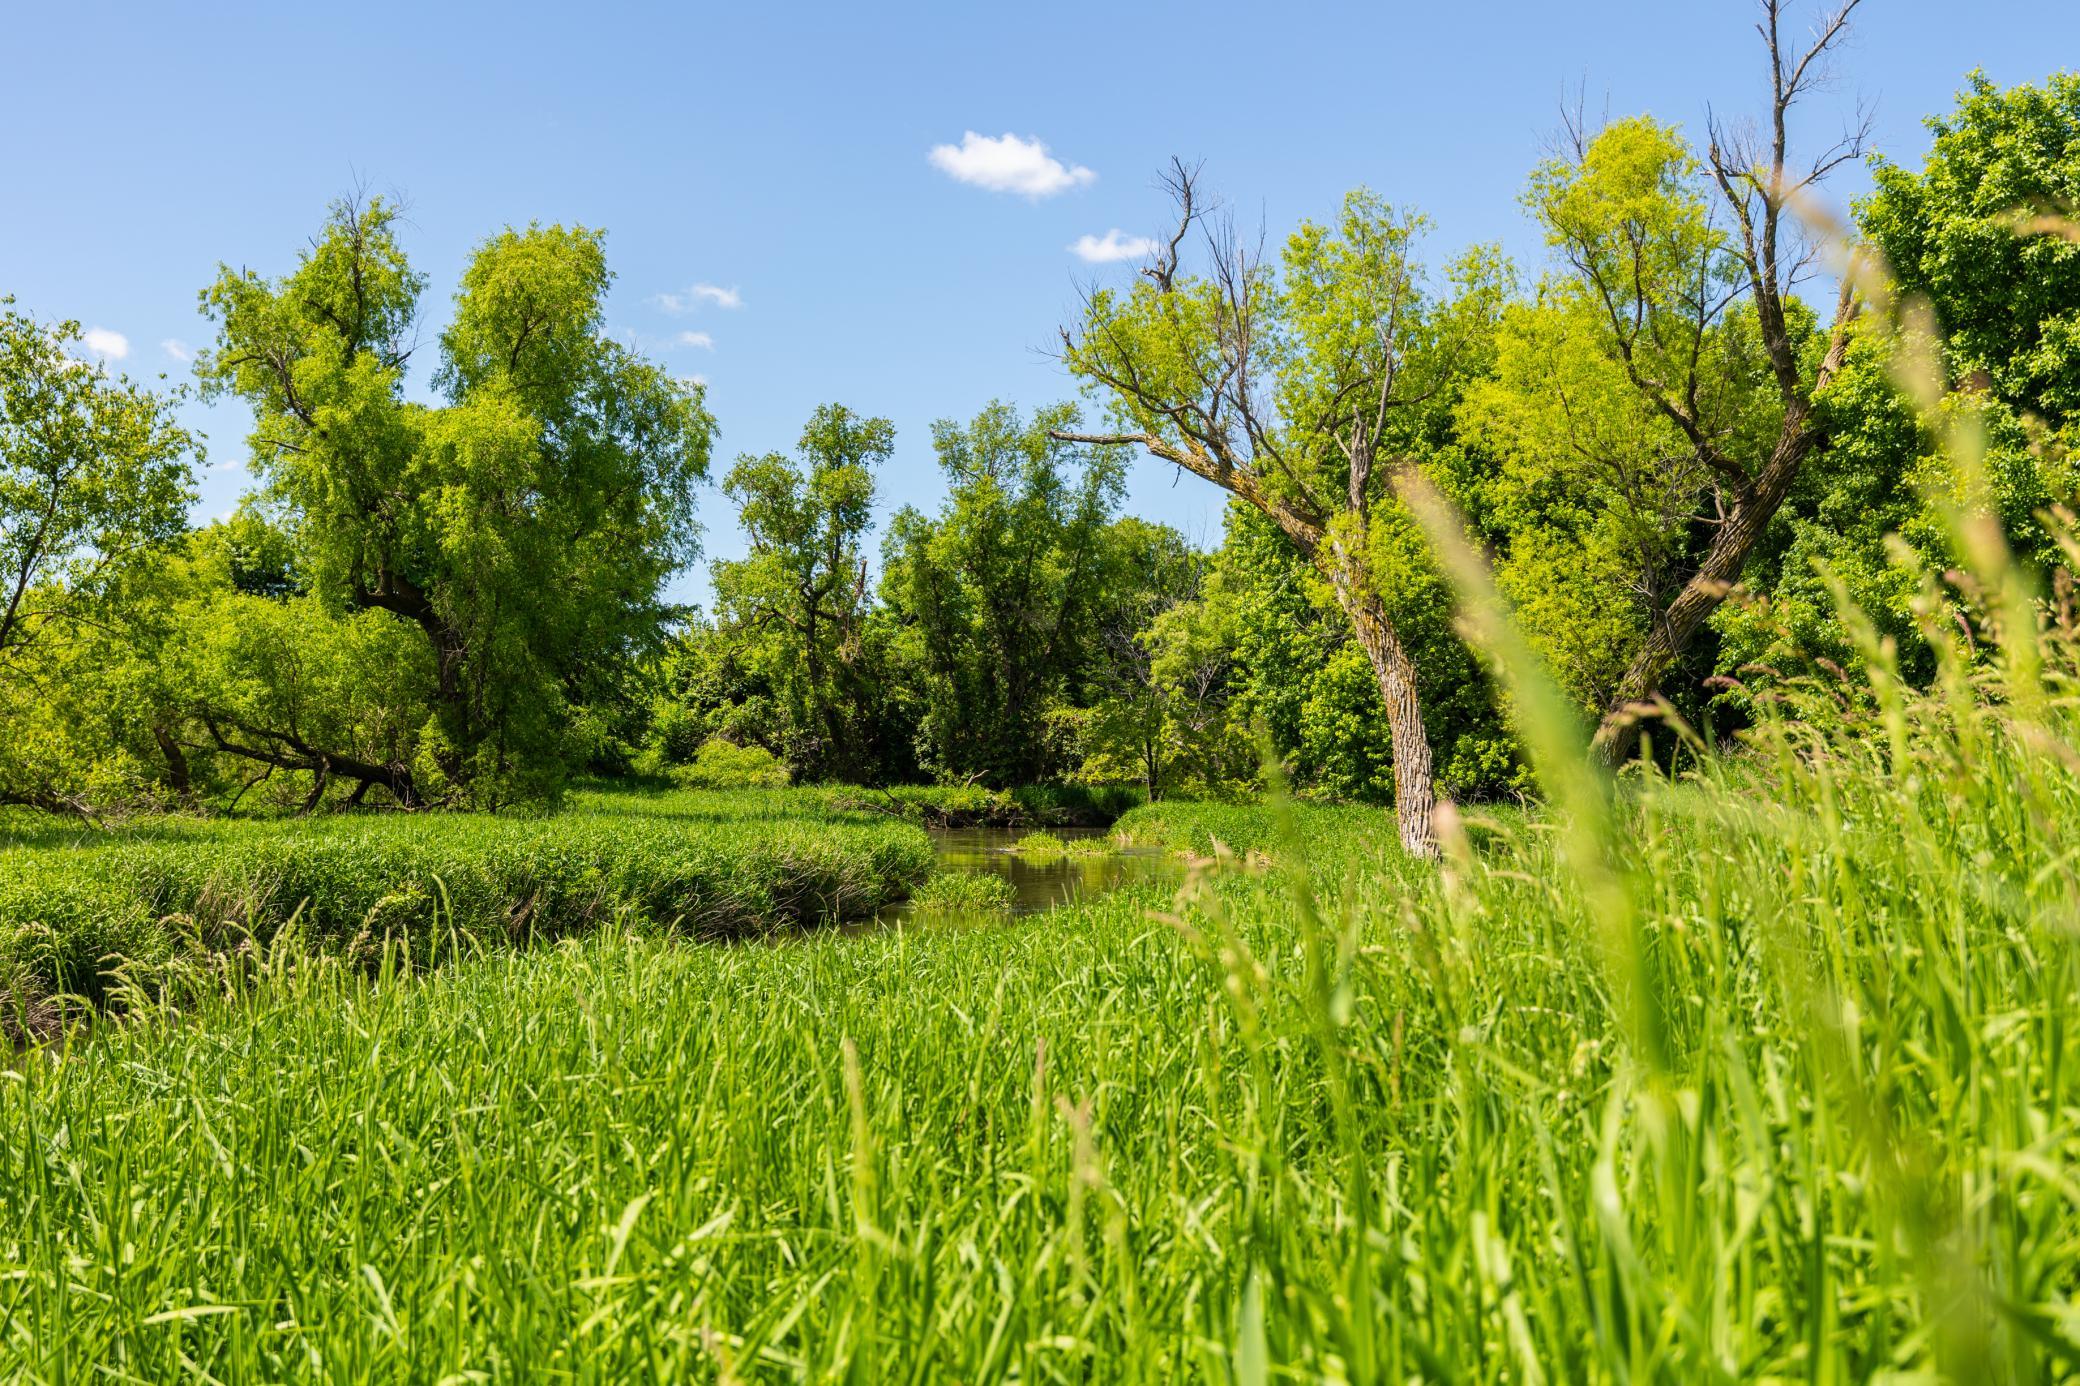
1140 715
1594 504
523 526
799 601
995 598
1306 391
1987 233
1632 217
94 476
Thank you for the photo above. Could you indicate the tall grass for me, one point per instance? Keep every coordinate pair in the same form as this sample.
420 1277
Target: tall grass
706 864
1344 1117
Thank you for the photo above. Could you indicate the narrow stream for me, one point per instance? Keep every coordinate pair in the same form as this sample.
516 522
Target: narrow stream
1044 883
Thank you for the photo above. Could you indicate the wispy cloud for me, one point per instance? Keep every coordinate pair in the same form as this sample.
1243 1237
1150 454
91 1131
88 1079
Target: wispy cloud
695 379
106 344
177 349
696 339
1113 245
699 294
1006 163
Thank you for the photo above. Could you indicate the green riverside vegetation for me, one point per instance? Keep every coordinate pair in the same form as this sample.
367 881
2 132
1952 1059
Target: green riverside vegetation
703 864
1591 853
1779 1086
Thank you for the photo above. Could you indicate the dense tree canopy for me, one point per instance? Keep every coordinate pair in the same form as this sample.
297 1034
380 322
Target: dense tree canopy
799 601
524 527
996 598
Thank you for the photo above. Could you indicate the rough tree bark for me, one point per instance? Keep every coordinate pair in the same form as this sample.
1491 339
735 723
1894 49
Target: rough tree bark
1415 793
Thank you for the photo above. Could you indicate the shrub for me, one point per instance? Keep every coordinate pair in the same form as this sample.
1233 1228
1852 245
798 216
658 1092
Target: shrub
1041 847
725 765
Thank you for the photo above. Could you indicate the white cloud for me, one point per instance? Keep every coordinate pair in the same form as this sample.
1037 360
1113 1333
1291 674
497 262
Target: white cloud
228 465
694 297
1113 245
697 339
177 349
109 346
695 379
1006 163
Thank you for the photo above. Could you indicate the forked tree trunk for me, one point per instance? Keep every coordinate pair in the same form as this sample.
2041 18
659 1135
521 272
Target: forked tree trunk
1617 736
1415 791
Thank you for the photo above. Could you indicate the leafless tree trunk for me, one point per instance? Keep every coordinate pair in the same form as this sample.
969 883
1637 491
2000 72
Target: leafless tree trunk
1415 792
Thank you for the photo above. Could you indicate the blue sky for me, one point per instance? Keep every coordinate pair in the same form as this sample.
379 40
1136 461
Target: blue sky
782 156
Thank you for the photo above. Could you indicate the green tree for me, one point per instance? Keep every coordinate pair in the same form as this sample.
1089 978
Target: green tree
1138 714
1988 234
1983 233
94 476
1630 215
1587 495
1305 393
994 601
797 605
94 481
523 527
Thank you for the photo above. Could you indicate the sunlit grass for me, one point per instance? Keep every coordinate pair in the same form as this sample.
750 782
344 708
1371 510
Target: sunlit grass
1343 1117
75 902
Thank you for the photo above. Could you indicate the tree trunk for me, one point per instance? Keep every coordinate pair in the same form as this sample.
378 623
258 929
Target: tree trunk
1617 736
1415 790
178 776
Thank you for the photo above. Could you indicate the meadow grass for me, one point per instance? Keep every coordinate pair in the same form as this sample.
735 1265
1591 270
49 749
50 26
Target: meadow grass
1784 1089
72 899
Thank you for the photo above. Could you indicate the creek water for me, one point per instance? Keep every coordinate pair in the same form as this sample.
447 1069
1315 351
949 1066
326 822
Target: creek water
1043 883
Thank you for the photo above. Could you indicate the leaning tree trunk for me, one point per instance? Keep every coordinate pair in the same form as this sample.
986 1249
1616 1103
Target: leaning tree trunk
1617 736
1415 790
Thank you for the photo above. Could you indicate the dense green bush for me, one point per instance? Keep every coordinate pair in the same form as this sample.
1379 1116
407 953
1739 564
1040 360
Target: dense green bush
723 764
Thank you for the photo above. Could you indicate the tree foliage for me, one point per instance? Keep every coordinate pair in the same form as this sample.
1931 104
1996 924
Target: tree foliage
798 603
524 525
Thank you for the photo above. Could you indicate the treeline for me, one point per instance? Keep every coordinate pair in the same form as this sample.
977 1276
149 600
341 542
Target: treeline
1025 633
1678 470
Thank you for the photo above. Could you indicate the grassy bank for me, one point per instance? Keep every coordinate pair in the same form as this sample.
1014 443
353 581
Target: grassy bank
705 864
971 806
1780 1082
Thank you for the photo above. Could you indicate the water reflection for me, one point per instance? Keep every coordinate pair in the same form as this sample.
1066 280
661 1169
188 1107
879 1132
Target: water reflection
1044 883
